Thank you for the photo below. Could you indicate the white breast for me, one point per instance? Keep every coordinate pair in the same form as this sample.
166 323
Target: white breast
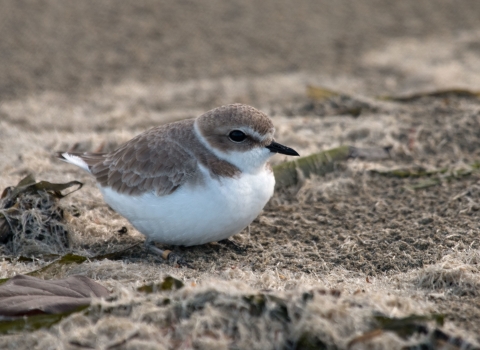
198 214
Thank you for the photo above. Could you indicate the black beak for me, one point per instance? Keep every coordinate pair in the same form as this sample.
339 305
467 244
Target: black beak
278 148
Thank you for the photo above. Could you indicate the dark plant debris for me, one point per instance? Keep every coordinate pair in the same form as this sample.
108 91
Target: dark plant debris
447 93
323 102
433 177
31 220
169 283
33 323
410 326
405 327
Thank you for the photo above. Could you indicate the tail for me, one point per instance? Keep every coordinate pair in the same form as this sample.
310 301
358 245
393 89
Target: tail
83 160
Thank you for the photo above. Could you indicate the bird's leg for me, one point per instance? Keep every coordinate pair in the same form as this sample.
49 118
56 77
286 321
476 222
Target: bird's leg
232 245
171 257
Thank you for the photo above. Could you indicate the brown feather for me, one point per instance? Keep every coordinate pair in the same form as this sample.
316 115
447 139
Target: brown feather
164 158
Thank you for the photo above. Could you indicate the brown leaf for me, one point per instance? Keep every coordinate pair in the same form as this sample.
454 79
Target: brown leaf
25 295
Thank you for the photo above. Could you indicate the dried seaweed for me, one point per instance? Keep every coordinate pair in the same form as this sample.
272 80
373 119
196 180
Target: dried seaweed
31 221
70 258
434 176
290 173
415 171
168 283
32 323
319 93
378 153
58 264
441 340
404 327
324 102
447 93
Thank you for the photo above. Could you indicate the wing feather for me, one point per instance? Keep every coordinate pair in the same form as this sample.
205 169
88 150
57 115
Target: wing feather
151 162
159 161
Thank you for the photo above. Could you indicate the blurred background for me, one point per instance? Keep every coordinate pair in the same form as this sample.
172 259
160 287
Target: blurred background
368 45
89 75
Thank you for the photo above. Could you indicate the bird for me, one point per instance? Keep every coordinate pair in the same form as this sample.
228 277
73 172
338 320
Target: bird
192 181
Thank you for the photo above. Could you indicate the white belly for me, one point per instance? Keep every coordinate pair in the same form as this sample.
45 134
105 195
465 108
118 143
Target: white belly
196 215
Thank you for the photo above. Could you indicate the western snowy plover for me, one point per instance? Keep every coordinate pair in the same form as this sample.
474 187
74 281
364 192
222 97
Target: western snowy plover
193 181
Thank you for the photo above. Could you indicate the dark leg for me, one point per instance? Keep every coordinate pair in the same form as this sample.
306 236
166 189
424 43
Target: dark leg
171 257
232 245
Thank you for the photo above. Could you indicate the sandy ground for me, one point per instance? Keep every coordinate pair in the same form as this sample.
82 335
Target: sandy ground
336 250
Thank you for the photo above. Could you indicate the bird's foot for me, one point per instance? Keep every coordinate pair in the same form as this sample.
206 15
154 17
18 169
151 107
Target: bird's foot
172 258
175 259
232 245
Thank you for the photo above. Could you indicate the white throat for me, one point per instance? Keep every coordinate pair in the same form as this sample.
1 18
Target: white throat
251 161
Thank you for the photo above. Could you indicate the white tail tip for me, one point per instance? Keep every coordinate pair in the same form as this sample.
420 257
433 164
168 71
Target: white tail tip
75 160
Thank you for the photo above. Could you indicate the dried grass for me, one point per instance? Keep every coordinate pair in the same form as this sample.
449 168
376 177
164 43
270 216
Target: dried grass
362 235
456 273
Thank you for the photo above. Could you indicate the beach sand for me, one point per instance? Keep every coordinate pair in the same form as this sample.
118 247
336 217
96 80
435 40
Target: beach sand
326 256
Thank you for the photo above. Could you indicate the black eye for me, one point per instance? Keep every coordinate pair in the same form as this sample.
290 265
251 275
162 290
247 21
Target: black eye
237 136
